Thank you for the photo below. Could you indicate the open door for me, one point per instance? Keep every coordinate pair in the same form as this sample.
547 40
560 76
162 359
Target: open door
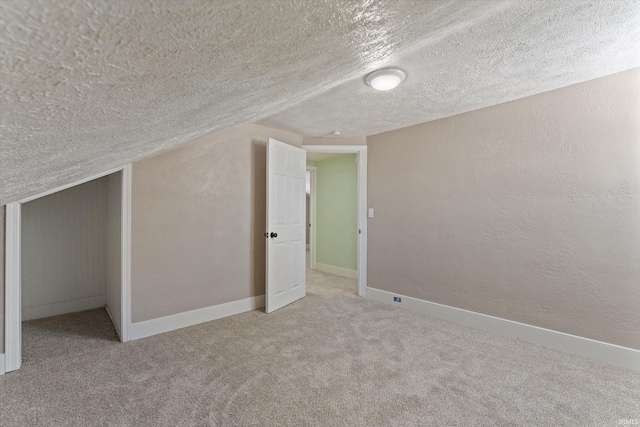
286 221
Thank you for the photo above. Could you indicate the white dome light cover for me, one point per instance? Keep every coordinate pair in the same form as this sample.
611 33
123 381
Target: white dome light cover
385 79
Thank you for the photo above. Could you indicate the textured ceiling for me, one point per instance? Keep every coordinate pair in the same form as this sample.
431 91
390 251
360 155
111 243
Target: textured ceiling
86 86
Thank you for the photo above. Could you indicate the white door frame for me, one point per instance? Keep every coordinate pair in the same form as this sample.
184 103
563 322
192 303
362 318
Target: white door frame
312 217
361 151
13 263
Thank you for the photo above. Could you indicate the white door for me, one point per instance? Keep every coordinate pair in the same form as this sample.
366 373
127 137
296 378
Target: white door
286 220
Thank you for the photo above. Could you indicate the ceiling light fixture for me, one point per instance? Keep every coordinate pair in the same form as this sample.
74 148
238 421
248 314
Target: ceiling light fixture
386 78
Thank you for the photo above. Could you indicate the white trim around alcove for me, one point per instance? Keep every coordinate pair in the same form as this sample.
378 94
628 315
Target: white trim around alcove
610 353
12 357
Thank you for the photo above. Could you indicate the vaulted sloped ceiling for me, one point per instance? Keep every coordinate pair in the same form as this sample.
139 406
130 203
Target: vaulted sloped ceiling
89 85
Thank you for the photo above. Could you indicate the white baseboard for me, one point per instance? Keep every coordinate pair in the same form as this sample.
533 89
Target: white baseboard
338 271
30 313
160 325
1 363
610 353
115 325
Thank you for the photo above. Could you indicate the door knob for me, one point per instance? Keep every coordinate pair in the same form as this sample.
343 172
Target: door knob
274 235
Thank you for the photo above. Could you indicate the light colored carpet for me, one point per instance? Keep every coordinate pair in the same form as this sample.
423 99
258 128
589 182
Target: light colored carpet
57 336
331 359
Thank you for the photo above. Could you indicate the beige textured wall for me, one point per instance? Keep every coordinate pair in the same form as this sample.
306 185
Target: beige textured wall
528 210
198 220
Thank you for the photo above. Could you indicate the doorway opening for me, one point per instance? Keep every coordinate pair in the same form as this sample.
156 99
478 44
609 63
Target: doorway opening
68 274
311 215
336 222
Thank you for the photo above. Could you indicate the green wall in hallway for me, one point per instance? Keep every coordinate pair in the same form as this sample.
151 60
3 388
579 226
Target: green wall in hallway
336 210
